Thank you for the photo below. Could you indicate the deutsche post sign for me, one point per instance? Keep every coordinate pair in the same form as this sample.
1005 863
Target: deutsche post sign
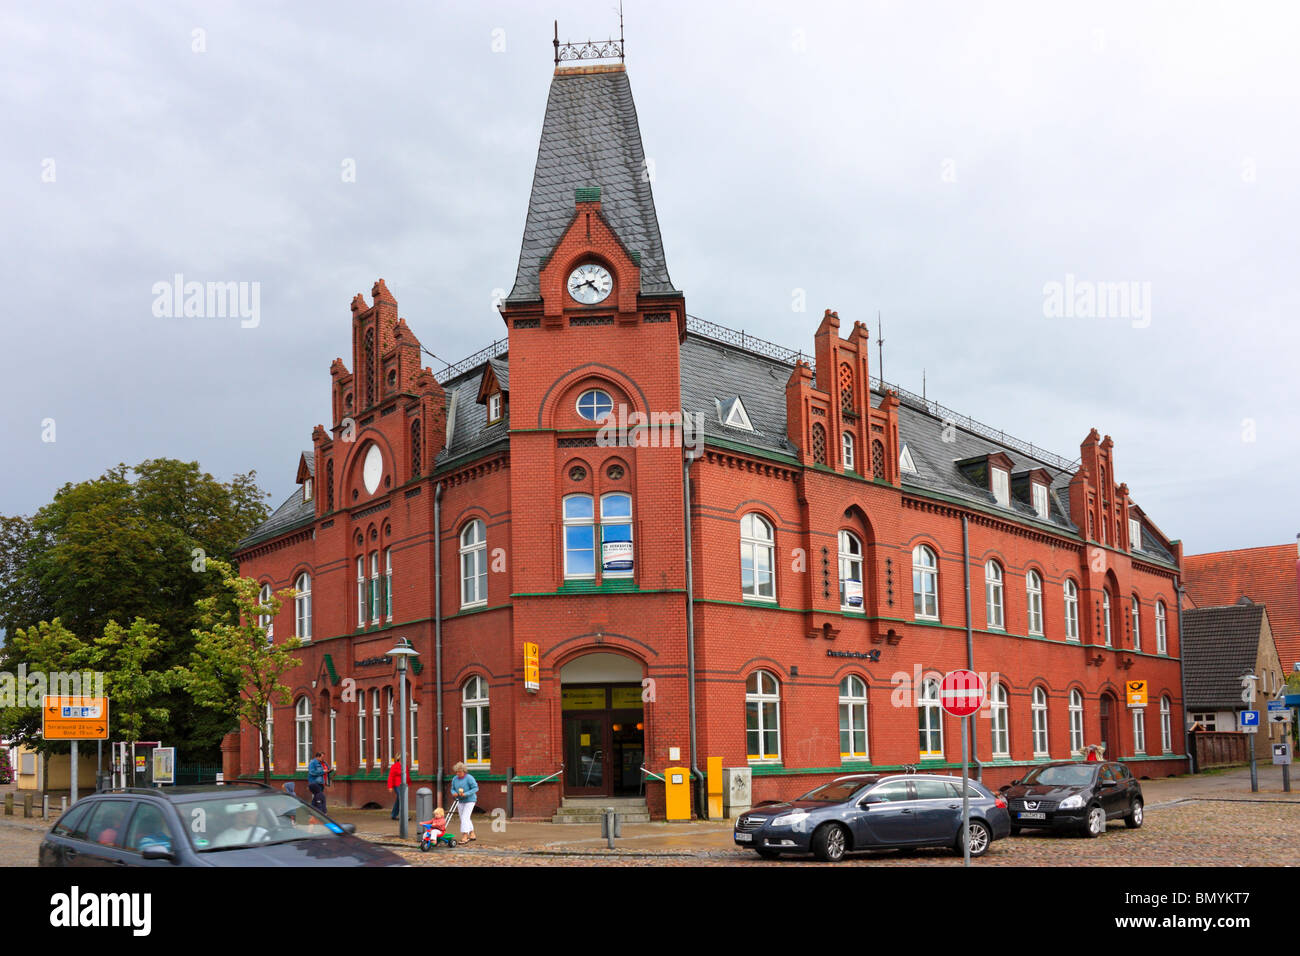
532 668
1135 691
74 718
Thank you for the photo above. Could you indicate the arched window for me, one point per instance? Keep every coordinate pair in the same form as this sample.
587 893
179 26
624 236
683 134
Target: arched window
417 448
757 559
850 572
930 720
374 587
388 585
993 595
616 559
265 621
302 731
1105 616
1000 713
474 714
473 564
878 459
1071 611
329 489
579 537
853 718
302 607
1166 727
1139 730
1162 643
848 451
1137 624
1076 721
925 583
334 737
388 724
361 729
361 593
819 443
594 404
762 717
1034 601
374 726
1039 707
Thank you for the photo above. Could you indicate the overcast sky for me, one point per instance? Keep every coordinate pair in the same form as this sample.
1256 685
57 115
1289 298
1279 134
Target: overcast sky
939 163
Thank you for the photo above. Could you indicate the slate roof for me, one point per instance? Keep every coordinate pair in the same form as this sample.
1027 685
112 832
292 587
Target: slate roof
1266 575
293 513
501 369
590 137
471 432
1219 645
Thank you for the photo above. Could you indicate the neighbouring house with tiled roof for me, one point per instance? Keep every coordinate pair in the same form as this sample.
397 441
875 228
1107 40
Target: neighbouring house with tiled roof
1221 645
624 539
1269 576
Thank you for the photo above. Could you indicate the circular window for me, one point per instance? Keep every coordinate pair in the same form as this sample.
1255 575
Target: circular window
347 400
614 472
594 404
373 469
577 473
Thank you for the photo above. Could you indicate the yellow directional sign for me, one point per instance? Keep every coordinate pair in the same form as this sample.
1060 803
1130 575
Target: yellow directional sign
74 718
1136 692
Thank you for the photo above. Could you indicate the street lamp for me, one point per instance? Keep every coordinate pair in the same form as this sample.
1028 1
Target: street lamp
402 651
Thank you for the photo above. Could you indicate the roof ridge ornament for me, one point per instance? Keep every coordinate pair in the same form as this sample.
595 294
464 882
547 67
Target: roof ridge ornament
598 50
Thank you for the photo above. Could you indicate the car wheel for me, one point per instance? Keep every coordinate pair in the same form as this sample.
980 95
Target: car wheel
1095 824
980 838
1134 818
829 843
765 853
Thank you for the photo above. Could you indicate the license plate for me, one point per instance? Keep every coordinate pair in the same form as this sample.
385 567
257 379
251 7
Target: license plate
744 838
1032 816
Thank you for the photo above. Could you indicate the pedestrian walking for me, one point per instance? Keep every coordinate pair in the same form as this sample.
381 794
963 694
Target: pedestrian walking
465 789
395 785
316 772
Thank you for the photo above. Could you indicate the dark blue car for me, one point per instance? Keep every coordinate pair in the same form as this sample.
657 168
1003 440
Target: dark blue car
873 812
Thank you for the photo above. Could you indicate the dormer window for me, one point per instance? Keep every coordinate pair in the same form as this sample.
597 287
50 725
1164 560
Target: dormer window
732 413
1134 534
905 462
306 490
1001 486
1040 500
494 408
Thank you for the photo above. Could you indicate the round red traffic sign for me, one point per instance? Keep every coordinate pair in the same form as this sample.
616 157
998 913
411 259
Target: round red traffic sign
961 693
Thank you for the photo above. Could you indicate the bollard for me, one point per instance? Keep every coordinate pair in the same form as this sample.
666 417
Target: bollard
45 806
63 805
27 805
9 804
611 826
423 805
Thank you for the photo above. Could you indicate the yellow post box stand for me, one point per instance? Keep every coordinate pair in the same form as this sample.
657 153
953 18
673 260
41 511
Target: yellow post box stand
714 778
677 793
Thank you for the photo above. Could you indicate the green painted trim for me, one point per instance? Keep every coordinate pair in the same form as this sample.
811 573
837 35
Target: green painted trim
470 611
596 590
770 455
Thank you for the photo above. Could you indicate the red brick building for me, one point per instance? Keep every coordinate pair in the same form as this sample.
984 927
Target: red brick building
491 506
1268 576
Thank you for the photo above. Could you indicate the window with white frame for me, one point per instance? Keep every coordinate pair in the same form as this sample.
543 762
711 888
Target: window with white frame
266 621
475 719
1071 611
473 564
1134 534
1034 601
494 408
1137 624
302 731
1166 726
1207 721
1139 730
925 583
594 404
1076 721
993 595
414 735
361 729
929 719
1162 643
1001 487
375 602
616 560
388 722
388 585
848 452
361 592
1105 616
757 559
762 717
1039 707
374 725
302 606
579 537
851 591
334 737
1040 500
306 490
853 718
999 709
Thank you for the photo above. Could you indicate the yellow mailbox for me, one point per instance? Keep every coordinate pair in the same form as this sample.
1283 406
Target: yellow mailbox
677 793
714 775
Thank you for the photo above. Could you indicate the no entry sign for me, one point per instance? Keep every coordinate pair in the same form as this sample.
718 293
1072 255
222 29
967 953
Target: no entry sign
961 693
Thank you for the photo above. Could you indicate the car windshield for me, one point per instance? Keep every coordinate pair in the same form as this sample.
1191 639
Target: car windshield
243 820
835 792
1064 775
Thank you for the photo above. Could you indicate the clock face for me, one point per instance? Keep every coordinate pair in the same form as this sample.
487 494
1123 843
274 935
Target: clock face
590 284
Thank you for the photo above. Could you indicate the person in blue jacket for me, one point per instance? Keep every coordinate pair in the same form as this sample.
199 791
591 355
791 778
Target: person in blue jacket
316 781
465 789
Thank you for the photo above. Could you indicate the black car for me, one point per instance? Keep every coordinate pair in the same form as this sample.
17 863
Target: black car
872 812
1075 796
237 824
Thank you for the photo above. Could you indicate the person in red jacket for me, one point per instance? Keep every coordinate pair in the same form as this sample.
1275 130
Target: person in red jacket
395 784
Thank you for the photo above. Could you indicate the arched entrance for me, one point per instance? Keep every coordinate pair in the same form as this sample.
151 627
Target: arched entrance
604 725
1109 725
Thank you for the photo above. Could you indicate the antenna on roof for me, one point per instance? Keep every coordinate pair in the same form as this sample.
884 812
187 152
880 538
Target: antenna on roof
923 398
880 351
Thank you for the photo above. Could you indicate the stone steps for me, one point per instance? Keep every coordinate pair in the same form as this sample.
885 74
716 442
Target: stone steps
591 810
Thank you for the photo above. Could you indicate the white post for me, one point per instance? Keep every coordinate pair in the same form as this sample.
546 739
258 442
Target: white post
404 828
74 772
965 792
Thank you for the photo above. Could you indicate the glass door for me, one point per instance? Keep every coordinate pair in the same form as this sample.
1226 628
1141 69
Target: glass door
585 755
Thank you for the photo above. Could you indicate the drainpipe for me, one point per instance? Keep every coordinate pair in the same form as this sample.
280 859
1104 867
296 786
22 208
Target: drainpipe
1182 677
701 794
437 626
970 637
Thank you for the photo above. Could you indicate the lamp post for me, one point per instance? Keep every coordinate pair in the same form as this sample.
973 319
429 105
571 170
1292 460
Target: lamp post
401 652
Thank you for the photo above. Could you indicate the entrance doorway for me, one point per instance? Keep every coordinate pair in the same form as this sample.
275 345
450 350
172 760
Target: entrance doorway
1108 728
603 726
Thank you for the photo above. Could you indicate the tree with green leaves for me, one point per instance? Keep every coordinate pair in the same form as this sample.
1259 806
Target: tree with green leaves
132 543
236 670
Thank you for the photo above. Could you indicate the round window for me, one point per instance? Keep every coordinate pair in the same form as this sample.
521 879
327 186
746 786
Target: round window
373 469
594 404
